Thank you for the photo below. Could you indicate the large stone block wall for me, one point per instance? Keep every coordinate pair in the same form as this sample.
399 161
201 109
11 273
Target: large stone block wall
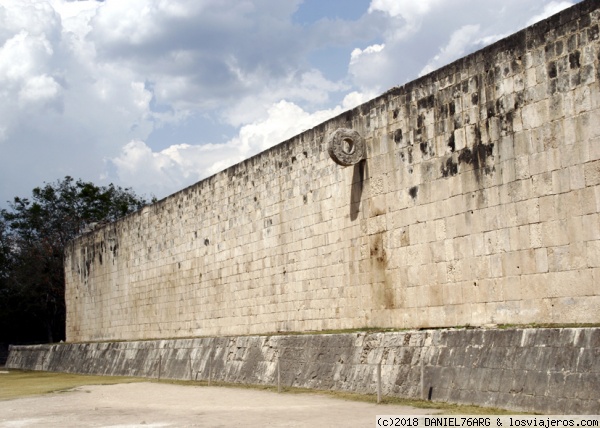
478 203
554 371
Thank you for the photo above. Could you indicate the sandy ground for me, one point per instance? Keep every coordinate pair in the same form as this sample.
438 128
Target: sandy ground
165 405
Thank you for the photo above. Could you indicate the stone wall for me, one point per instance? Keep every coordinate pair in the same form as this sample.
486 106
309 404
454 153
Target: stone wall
555 371
478 203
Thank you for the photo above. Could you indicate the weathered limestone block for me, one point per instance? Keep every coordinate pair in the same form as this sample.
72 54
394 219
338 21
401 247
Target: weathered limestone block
471 196
554 371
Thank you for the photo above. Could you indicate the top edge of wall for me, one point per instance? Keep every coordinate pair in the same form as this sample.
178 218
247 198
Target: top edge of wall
524 40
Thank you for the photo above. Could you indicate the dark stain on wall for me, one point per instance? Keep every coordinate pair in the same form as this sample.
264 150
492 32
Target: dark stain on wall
480 90
574 59
398 135
114 249
451 143
413 192
449 168
382 286
376 249
426 102
477 156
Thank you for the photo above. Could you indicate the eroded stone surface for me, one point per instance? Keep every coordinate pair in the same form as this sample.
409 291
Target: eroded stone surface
346 147
554 371
478 202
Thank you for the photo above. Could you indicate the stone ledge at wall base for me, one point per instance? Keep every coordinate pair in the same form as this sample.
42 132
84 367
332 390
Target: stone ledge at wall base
545 370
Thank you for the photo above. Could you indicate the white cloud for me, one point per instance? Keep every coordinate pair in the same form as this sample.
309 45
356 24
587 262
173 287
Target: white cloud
34 17
133 22
407 9
549 10
421 36
61 110
25 51
310 88
202 55
111 89
357 53
462 39
355 98
407 15
22 55
75 16
38 89
103 73
168 170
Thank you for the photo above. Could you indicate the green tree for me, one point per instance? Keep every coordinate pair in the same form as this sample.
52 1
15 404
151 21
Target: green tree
33 236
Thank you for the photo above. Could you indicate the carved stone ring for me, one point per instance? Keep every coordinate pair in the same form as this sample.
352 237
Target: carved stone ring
346 146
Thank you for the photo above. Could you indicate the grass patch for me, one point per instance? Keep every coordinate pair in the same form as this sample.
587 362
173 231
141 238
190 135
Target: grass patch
444 408
548 325
19 383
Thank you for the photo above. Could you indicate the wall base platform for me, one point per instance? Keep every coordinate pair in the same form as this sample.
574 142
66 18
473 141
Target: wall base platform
546 370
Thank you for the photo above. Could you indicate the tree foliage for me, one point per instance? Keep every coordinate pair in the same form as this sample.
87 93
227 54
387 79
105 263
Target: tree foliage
33 236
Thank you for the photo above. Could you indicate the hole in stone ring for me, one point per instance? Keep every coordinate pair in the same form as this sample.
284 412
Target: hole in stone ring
348 146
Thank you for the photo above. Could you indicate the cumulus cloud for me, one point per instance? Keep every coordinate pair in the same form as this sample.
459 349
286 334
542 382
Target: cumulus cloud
60 107
204 54
38 89
407 9
310 88
164 171
421 36
26 50
94 88
407 15
357 52
549 10
460 41
85 77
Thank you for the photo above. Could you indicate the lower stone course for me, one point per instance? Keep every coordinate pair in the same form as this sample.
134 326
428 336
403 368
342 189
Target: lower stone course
550 370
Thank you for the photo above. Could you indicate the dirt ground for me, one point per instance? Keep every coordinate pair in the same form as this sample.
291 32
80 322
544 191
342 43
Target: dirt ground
168 405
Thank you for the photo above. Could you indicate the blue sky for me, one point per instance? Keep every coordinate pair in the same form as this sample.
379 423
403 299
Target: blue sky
158 94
